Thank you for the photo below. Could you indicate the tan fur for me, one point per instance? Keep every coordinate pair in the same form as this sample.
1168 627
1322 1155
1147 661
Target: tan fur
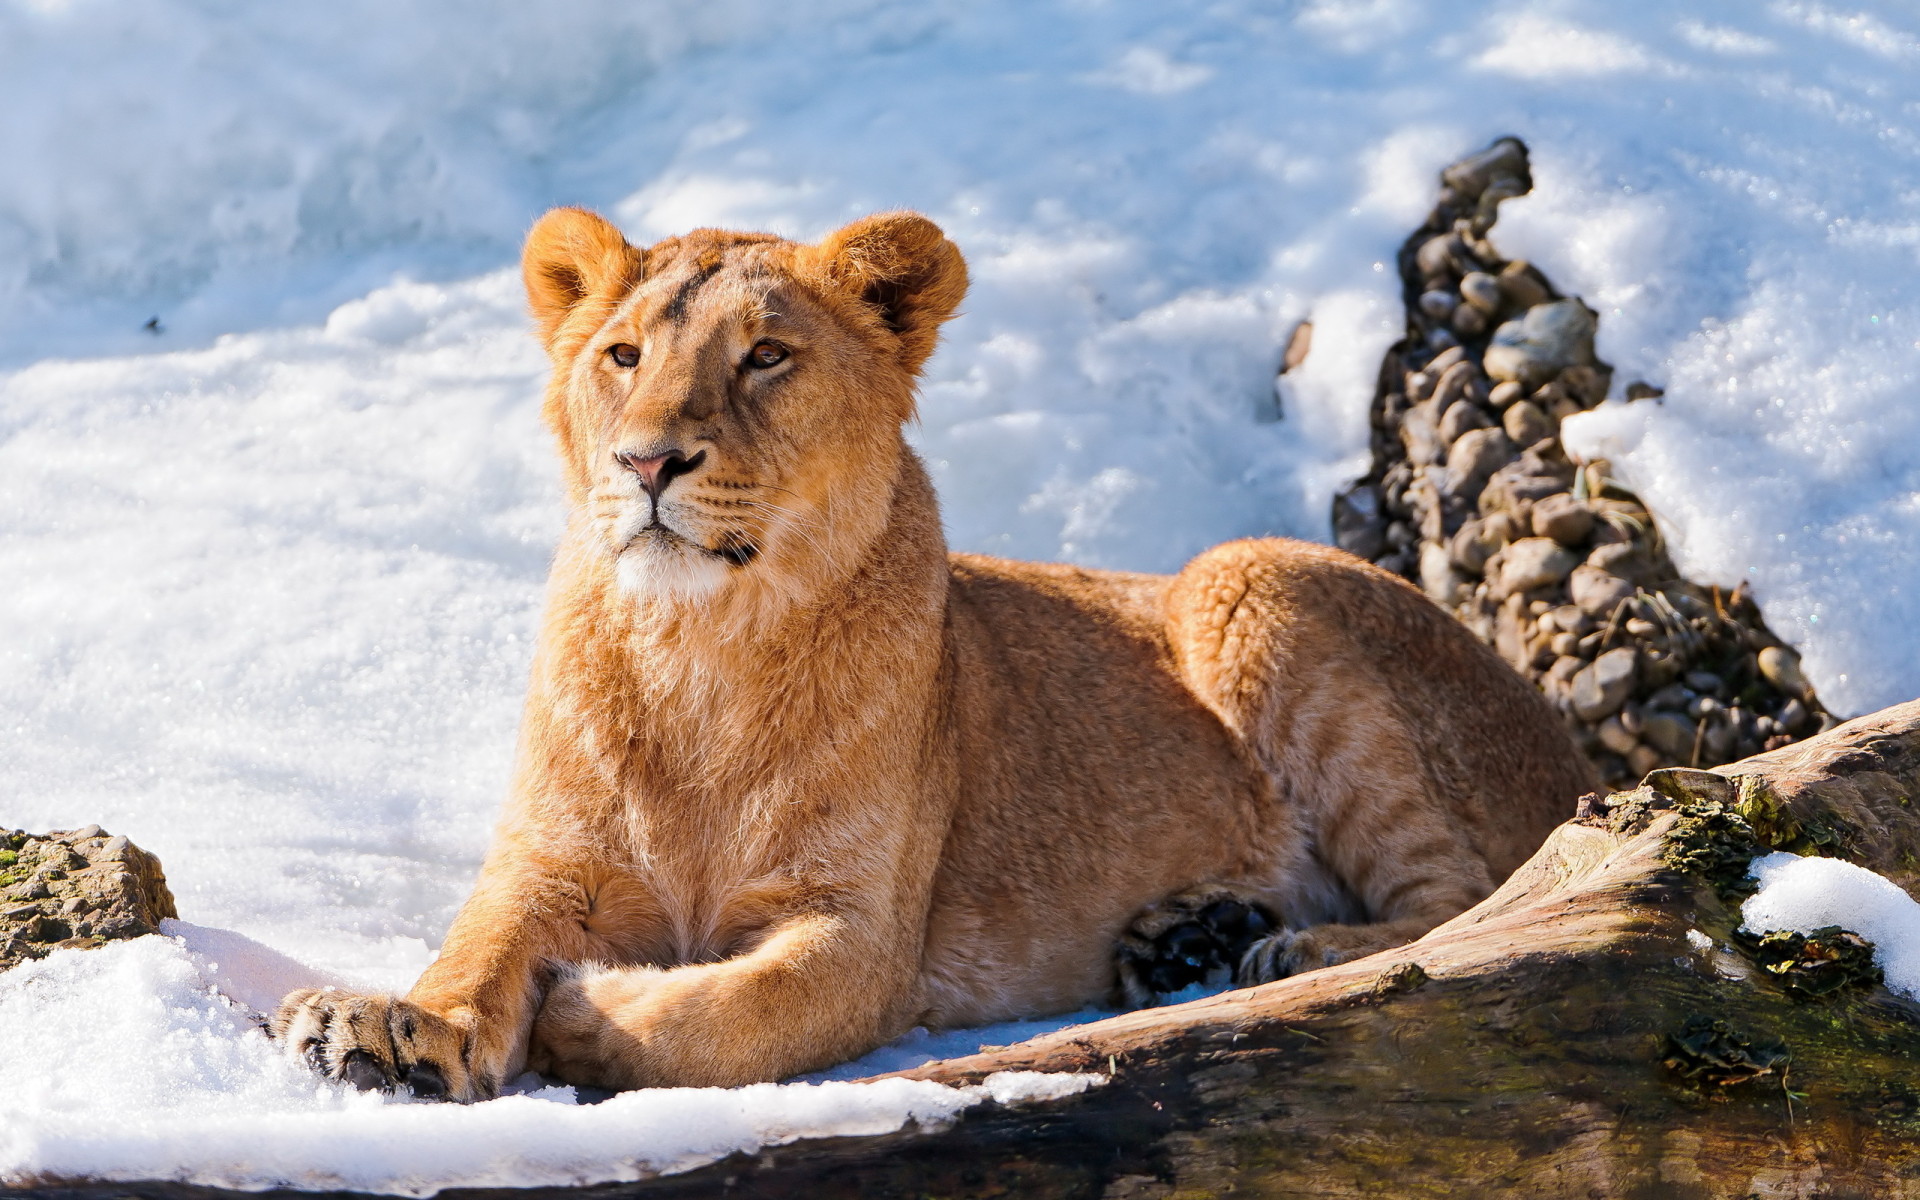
770 813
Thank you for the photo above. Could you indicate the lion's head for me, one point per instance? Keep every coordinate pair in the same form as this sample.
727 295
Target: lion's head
728 405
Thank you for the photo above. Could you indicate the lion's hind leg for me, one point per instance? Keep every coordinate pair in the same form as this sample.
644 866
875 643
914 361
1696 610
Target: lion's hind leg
1196 936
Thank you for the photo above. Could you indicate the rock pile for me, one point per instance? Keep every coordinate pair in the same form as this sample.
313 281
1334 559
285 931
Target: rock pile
75 889
1472 495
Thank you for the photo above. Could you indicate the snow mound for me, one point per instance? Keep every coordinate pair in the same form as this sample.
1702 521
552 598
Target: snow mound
1804 894
128 1063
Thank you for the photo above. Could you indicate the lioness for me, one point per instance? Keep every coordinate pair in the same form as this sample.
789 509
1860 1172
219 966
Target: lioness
793 779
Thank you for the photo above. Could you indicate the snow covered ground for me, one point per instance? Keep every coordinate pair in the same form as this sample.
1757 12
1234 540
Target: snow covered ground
268 575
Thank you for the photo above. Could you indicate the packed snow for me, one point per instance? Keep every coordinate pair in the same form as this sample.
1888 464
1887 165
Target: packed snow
275 507
1805 894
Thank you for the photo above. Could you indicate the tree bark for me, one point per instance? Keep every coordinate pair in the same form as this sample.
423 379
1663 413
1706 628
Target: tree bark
1593 1029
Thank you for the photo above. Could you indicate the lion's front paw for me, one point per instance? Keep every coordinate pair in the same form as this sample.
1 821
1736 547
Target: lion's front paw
377 1042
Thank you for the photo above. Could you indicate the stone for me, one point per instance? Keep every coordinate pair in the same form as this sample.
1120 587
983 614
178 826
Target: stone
1459 418
1471 175
1420 385
1445 361
1459 381
1585 383
1420 435
1473 459
80 889
1359 526
1522 285
1792 715
1468 321
1640 389
1573 619
1627 560
1671 734
1442 339
1604 685
1481 291
1435 257
1439 578
1523 420
1475 542
1562 518
1781 667
1438 304
1704 682
1506 393
1614 736
1535 562
1644 760
1596 591
1541 343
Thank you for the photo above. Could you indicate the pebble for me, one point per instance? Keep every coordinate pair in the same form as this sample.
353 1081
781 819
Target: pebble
1474 457
1781 667
1535 562
1671 734
1640 389
1445 360
1435 258
1438 577
1704 682
1540 344
1459 418
1471 175
1584 383
1443 339
1523 420
1522 287
1473 544
1793 715
1614 736
1573 619
1644 761
1604 685
1468 321
1640 627
1596 591
84 832
1420 435
1438 304
1506 393
1703 706
1624 559
1419 385
1563 519
1564 644
1482 291
1457 382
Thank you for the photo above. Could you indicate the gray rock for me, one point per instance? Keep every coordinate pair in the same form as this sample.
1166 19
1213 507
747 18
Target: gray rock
1471 176
1604 685
1506 393
1420 385
1563 519
1474 543
1420 435
1781 667
1438 304
49 882
1538 345
1627 560
1459 418
1598 592
1523 420
1482 291
1644 761
1535 562
1444 361
1436 257
1792 716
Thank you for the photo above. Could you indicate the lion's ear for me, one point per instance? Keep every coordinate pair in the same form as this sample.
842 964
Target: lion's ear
572 254
902 265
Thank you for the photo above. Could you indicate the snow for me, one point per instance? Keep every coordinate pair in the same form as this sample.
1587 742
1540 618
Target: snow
271 573
173 1080
1805 894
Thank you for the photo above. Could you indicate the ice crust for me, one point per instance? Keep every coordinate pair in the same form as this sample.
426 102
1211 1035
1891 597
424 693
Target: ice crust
269 577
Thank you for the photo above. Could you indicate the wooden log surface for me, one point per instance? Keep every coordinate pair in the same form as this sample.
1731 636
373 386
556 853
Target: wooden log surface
1593 1029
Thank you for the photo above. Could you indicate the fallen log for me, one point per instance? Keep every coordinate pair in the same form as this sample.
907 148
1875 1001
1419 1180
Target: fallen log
1596 1028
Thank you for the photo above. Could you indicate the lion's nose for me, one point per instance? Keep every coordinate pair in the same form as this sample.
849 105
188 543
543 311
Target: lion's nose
659 469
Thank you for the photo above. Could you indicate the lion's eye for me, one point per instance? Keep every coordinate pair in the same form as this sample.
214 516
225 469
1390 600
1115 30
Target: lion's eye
766 354
624 354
